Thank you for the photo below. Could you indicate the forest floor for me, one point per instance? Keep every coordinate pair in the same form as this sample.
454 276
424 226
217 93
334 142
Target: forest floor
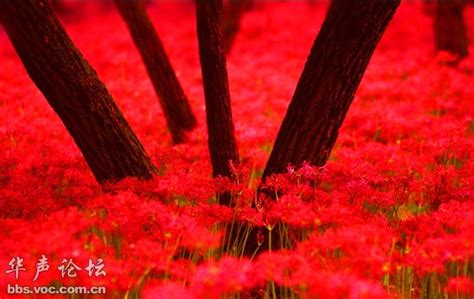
391 214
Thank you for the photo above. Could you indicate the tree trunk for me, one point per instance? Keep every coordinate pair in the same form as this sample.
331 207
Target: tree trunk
449 28
326 88
233 11
221 139
175 105
74 91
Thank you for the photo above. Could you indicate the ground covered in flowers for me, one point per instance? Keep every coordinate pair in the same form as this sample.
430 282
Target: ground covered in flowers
391 214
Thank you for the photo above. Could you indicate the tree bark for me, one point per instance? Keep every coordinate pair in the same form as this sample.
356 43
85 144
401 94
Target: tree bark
175 105
221 139
449 28
233 11
326 88
73 90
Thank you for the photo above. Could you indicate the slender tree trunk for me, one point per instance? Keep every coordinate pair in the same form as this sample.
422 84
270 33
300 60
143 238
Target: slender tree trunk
175 105
221 139
326 88
233 11
449 28
74 91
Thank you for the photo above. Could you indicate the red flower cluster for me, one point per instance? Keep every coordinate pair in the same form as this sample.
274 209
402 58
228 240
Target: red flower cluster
391 214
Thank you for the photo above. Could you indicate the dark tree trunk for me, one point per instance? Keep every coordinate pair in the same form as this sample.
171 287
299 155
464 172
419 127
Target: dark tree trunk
449 28
326 88
233 11
175 105
222 144
72 88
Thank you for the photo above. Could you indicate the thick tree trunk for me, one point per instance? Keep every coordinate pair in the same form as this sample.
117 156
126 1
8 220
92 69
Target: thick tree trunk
175 105
222 144
233 11
449 28
326 88
72 88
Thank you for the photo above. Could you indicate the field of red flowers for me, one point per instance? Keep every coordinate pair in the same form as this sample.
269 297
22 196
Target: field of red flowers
390 215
